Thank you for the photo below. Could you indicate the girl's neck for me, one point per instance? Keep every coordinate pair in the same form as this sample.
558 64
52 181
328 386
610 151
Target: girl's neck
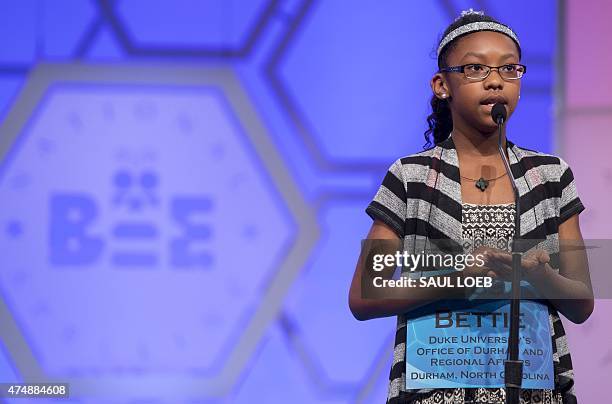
471 143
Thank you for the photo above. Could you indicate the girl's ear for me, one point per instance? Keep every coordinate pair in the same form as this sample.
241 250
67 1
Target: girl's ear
439 86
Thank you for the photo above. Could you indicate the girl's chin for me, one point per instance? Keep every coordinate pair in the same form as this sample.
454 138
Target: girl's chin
486 123
487 127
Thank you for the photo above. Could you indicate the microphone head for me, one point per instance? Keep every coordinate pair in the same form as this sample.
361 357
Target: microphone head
498 113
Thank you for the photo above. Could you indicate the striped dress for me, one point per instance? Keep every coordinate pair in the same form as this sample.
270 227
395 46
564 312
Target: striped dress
420 199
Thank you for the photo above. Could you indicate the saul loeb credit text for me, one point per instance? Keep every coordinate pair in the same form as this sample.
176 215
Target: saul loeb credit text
412 263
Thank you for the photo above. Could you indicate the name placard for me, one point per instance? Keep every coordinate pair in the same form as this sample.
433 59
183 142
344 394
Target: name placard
465 346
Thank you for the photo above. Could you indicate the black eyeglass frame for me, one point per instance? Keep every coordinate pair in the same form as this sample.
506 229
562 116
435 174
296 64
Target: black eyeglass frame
461 69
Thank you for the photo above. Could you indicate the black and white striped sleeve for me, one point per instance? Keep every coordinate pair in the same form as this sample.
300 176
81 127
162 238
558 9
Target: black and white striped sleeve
389 203
570 201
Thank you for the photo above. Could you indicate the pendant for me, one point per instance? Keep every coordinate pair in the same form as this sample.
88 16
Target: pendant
482 184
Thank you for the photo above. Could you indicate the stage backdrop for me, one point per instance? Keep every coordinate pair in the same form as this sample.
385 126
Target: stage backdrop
183 185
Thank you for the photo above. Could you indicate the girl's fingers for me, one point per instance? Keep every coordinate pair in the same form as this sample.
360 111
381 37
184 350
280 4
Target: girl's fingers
498 256
528 262
502 271
543 257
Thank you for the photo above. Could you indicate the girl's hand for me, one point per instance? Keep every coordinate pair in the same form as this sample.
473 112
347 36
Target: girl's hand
533 265
476 270
482 270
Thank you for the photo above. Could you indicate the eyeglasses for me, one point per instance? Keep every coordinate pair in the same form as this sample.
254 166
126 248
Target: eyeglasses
477 71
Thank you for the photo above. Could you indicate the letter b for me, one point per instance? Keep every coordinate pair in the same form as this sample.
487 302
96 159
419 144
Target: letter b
444 319
70 214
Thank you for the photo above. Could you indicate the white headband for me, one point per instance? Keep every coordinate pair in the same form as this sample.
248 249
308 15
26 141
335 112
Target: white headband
476 26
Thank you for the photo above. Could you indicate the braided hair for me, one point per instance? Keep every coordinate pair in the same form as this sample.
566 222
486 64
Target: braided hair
440 121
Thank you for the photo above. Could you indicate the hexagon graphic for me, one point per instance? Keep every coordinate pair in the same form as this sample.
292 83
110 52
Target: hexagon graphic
190 28
32 29
149 230
333 353
327 71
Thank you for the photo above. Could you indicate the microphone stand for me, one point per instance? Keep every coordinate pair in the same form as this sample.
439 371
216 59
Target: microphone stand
513 367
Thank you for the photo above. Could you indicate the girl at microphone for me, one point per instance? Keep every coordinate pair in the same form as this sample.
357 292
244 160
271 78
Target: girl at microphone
458 190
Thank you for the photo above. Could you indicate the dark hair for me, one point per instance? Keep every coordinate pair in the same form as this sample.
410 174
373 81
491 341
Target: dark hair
440 121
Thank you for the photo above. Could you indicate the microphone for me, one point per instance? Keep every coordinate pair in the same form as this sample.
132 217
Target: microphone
498 113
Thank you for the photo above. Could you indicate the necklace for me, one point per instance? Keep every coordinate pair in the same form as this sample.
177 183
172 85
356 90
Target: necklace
481 183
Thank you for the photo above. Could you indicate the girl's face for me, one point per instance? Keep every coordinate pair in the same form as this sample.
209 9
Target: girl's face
470 98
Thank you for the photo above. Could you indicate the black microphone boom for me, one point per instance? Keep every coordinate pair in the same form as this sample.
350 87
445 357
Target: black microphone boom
513 366
498 112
